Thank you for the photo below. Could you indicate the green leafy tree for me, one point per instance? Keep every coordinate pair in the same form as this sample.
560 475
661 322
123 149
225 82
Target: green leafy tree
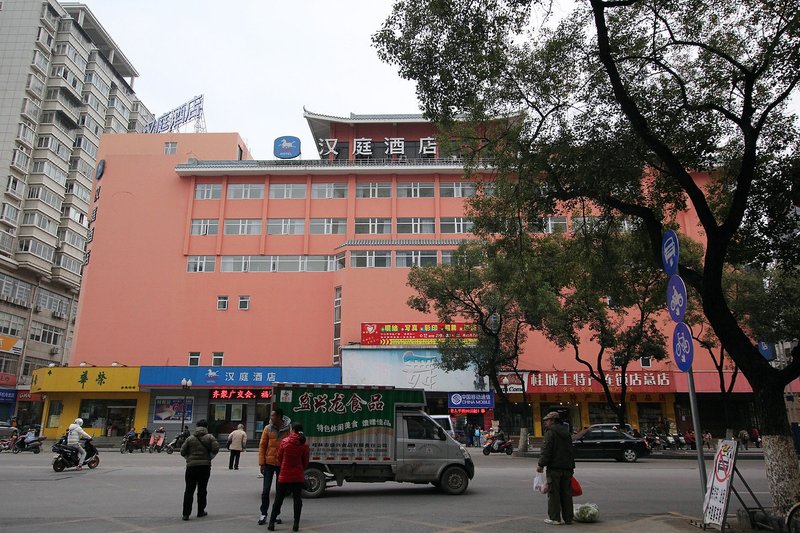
622 103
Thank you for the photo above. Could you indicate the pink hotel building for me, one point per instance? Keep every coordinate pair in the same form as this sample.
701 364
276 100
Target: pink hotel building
202 256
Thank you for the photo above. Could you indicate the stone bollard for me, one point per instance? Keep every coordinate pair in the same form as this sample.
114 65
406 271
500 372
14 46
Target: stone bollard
523 440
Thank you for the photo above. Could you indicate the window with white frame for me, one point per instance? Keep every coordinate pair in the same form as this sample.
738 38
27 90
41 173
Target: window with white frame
329 190
287 263
374 189
244 303
194 359
456 189
46 333
37 248
205 226
280 191
589 223
207 191
217 358
455 225
222 303
337 323
246 263
327 226
645 361
370 259
415 189
11 325
373 226
245 191
410 258
242 226
555 225
416 225
170 148
285 226
201 263
35 218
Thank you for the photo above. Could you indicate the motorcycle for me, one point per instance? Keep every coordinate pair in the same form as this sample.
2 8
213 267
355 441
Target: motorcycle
177 442
67 456
34 446
131 443
157 441
503 447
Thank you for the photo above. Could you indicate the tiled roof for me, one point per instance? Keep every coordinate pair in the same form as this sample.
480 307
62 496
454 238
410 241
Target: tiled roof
396 117
403 242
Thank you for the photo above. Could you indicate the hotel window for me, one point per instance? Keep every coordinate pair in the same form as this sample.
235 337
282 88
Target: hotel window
201 263
373 226
455 225
423 189
420 258
242 226
456 189
645 361
337 323
370 259
170 148
329 190
207 191
222 303
280 191
217 358
555 225
320 263
205 226
380 189
287 263
245 191
416 225
327 226
246 263
194 358
244 303
285 226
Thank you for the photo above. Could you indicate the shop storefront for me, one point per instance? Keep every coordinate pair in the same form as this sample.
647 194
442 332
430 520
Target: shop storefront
224 396
29 408
106 398
8 395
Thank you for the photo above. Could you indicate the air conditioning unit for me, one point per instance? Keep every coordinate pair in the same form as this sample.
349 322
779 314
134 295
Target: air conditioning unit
55 350
36 309
59 244
58 315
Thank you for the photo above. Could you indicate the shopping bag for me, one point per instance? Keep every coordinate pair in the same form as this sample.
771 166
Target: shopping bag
576 487
540 483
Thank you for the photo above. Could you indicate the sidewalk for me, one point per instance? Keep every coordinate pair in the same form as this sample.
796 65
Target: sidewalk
752 453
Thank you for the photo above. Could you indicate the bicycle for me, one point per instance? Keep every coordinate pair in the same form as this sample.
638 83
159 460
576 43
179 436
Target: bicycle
793 519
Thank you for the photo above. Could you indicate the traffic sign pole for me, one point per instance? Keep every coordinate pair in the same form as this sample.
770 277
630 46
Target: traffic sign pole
698 435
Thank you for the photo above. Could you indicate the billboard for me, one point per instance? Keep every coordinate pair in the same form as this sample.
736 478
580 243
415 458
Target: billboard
414 333
191 110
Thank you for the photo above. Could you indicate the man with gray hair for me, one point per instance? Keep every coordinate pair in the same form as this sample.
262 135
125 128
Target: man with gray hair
559 459
237 443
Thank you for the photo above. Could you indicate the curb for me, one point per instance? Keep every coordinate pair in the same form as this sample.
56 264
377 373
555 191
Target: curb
670 455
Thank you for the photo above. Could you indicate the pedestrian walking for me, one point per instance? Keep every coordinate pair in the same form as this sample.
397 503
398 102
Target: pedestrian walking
707 439
557 456
199 449
293 456
755 437
237 443
277 429
477 436
744 438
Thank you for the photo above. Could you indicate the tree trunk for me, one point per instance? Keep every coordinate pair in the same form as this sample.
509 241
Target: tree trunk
780 459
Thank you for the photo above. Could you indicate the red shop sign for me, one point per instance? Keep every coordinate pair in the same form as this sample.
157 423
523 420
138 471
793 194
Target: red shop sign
240 394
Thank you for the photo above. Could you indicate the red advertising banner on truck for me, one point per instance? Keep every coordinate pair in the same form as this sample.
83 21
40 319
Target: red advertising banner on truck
411 333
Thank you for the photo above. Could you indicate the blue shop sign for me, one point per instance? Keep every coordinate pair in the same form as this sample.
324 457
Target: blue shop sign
236 376
470 400
287 147
8 396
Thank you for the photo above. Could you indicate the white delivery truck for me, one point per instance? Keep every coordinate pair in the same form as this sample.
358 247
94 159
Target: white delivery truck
372 434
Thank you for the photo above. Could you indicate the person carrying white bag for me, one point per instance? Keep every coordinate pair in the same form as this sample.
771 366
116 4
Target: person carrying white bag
559 459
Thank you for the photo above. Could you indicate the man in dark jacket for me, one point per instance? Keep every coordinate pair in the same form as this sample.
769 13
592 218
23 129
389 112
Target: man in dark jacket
557 456
199 450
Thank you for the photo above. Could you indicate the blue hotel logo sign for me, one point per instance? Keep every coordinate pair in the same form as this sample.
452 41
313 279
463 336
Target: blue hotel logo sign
287 147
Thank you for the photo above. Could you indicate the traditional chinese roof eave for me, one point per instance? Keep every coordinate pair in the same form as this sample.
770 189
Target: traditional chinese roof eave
320 124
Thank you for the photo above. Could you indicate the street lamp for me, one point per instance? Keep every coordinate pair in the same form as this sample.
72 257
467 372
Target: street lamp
186 384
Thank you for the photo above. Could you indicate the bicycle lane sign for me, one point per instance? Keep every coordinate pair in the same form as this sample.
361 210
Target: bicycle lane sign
718 491
683 346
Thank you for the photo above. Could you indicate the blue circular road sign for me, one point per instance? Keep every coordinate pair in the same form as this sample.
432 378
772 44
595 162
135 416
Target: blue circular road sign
670 252
682 346
676 298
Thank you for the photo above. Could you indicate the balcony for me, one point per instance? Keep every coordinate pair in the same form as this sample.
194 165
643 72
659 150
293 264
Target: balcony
20 161
49 18
6 244
35 86
25 135
15 188
31 110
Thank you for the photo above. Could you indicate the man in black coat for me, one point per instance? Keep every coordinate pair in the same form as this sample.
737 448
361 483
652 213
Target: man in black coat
559 459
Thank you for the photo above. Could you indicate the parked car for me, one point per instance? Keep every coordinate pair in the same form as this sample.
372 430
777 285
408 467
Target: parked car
6 431
600 443
627 428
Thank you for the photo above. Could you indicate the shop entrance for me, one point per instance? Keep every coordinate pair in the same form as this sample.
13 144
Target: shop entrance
570 414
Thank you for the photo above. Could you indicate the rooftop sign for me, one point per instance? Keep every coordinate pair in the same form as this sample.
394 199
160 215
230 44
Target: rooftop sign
287 147
191 110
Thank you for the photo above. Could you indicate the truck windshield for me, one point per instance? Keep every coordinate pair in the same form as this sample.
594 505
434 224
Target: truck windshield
419 427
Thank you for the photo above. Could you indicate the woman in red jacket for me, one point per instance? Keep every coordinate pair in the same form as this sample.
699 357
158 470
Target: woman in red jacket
293 457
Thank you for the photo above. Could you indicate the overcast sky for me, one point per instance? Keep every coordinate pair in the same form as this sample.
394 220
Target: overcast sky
258 62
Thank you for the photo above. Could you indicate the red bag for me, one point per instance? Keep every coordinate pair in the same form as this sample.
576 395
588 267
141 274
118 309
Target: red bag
576 487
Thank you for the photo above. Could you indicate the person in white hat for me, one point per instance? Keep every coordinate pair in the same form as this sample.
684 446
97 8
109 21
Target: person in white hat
559 459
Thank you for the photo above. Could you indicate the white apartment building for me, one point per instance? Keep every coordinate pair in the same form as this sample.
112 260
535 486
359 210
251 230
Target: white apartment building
63 82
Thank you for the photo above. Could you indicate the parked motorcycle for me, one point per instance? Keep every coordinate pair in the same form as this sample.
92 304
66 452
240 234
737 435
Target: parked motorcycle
157 440
34 446
131 443
503 447
177 442
67 456
680 441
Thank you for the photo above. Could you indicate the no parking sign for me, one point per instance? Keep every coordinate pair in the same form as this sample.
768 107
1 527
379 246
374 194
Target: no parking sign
718 491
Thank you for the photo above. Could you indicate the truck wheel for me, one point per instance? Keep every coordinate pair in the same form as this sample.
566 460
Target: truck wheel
454 480
316 480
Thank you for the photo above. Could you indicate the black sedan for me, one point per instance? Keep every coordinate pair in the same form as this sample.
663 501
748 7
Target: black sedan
608 444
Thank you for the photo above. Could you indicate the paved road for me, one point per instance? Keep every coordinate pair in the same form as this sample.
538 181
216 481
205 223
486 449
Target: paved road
143 492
